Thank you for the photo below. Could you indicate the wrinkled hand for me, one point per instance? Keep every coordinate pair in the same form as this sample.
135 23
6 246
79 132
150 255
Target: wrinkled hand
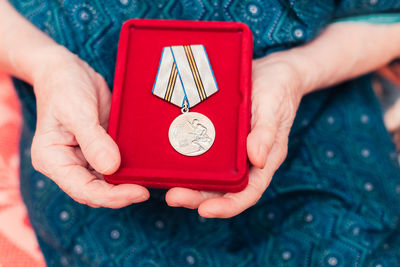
70 144
275 99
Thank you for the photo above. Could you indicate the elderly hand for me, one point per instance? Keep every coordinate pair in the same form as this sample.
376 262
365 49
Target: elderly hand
277 91
70 144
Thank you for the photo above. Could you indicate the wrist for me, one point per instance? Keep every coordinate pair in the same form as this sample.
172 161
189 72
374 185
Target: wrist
307 69
301 69
48 59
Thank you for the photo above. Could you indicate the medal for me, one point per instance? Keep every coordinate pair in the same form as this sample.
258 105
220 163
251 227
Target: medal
191 134
185 79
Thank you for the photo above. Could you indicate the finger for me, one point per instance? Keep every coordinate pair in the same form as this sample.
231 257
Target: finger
187 198
232 204
86 188
66 169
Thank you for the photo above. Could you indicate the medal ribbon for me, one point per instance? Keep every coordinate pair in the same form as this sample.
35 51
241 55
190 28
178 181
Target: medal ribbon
184 75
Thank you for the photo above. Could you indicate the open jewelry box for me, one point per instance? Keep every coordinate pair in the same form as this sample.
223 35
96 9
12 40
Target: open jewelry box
139 121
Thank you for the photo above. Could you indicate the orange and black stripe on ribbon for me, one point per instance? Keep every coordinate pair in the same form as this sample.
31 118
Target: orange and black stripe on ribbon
195 72
171 83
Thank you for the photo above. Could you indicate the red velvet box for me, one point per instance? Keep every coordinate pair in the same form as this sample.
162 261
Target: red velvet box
139 121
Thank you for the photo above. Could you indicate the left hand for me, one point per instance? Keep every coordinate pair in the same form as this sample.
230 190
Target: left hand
71 145
276 94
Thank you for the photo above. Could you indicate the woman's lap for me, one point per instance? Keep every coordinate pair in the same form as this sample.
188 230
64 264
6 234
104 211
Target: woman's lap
333 202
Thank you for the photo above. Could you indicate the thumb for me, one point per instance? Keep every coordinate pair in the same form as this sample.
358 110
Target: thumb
259 143
98 147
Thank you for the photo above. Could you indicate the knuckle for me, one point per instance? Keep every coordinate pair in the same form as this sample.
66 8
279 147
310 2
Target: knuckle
237 206
283 149
257 186
101 81
77 195
36 155
80 201
98 202
75 113
35 161
69 190
88 142
86 112
98 195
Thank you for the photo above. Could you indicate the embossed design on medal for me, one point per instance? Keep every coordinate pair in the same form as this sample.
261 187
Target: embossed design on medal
191 134
185 79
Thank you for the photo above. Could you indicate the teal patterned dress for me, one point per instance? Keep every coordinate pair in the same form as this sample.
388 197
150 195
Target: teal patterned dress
334 202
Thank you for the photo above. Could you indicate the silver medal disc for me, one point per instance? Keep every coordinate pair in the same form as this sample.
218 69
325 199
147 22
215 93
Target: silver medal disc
191 134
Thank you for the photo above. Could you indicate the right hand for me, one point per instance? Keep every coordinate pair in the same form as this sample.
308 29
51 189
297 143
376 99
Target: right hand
71 145
276 93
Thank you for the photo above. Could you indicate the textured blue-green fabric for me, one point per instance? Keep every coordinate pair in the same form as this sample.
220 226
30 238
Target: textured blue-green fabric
334 202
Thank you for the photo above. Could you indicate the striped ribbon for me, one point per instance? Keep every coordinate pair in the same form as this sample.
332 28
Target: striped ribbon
184 74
